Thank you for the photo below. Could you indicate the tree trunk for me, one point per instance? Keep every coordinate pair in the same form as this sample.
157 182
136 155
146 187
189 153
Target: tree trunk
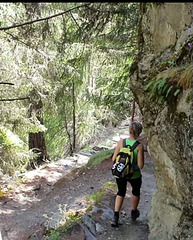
36 141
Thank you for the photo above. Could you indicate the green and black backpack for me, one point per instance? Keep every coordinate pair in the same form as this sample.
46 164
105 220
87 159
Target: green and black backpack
122 166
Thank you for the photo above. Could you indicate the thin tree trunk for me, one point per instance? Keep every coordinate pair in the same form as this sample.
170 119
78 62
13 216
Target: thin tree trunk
74 115
68 133
133 111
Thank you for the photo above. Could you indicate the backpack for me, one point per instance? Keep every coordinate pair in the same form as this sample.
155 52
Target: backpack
122 166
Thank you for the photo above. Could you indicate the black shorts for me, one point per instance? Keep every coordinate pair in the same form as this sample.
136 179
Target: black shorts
135 184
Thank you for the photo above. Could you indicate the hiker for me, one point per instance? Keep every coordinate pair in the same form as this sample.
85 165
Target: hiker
135 129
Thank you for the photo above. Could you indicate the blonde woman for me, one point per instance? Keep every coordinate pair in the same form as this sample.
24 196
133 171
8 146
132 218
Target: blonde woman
135 129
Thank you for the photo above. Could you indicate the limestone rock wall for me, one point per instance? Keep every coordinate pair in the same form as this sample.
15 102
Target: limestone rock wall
167 32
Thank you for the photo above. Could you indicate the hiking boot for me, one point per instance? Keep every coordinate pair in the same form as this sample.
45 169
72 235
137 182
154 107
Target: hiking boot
135 214
115 222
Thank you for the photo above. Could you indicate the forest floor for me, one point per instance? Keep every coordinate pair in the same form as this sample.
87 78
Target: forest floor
45 198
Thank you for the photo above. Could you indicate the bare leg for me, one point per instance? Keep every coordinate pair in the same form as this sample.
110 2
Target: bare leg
135 202
122 187
118 203
135 212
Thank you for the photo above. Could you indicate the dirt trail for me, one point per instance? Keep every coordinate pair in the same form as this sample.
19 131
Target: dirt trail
40 202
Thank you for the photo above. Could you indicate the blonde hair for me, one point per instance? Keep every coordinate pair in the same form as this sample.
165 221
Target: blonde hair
135 128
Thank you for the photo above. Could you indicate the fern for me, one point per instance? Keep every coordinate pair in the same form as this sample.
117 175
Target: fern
161 89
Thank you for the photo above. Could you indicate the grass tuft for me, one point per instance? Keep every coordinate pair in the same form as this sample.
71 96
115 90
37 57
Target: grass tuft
99 157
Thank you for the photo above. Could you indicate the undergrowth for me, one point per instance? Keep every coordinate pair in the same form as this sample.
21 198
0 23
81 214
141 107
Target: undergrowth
99 157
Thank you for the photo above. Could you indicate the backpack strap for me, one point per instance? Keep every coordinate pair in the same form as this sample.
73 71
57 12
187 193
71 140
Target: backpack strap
134 145
124 142
131 147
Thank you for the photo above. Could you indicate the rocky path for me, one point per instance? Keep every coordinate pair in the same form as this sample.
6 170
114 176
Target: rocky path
42 198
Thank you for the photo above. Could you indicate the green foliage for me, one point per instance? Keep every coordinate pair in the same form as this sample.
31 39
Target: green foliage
13 153
85 52
111 26
86 148
54 235
161 90
169 83
116 91
96 197
99 157
55 137
70 219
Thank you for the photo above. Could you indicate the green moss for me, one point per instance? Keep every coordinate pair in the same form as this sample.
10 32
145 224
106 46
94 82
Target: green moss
98 196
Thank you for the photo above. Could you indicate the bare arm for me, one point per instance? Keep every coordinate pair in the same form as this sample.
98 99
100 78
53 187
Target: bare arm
140 156
119 145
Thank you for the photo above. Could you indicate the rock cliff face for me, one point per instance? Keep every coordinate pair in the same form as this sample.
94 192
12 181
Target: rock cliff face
166 57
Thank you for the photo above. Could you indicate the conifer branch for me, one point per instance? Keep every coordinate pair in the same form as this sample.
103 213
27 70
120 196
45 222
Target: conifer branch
13 99
41 19
6 83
